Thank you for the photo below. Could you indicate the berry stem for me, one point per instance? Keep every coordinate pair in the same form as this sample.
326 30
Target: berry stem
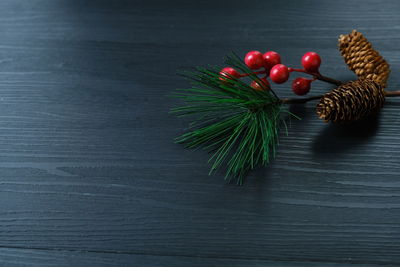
318 76
297 70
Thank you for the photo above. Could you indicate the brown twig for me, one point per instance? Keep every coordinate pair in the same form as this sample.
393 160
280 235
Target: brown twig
320 77
392 93
306 99
300 100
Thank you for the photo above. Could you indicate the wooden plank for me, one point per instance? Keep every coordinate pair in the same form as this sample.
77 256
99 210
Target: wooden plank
32 257
87 161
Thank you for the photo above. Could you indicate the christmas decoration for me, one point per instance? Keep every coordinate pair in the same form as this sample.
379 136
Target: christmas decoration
311 61
362 58
301 86
271 58
279 73
254 60
239 115
351 101
262 85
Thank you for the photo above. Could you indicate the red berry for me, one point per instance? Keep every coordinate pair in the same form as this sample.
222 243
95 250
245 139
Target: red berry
254 60
260 86
271 58
301 86
279 73
227 72
311 61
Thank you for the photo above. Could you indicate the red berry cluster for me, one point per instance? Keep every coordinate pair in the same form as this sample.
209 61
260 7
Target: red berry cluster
279 73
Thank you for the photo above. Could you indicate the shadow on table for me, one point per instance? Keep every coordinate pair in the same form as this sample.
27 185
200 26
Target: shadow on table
335 138
302 111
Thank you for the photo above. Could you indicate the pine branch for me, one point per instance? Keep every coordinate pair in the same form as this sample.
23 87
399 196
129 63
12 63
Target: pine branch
239 124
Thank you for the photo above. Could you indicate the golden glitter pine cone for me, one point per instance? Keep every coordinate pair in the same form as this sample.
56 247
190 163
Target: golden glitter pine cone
361 58
351 101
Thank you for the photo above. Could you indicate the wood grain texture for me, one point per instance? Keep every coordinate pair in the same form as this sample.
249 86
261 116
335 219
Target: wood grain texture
89 175
28 257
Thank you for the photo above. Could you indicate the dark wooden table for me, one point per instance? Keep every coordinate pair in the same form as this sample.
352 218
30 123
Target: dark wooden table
90 176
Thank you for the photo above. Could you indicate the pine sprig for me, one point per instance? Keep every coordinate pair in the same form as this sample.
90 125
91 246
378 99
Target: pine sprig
238 124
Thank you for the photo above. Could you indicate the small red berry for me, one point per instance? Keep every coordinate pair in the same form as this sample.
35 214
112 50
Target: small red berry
271 58
260 86
254 60
279 73
227 72
311 61
301 86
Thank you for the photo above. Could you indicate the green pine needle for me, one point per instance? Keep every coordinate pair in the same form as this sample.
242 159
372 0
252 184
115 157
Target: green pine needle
238 124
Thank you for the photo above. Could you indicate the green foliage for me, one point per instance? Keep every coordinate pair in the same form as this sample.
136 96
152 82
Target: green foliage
238 124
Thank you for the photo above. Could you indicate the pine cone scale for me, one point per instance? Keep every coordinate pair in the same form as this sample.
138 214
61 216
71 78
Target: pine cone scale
362 59
351 101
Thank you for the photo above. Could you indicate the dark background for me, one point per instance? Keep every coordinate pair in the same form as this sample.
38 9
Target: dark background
90 176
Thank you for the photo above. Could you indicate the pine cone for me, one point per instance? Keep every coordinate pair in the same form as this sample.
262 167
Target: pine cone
351 101
361 58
